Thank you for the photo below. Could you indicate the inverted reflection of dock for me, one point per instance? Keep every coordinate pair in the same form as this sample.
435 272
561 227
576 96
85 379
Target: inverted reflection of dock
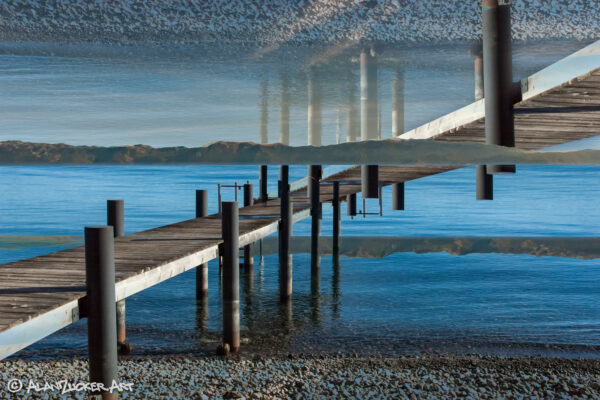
43 294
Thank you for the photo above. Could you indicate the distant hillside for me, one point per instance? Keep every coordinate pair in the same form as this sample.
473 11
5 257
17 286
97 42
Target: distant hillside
276 21
385 152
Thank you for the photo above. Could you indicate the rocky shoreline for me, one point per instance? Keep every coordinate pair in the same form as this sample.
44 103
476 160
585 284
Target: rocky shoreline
270 22
327 377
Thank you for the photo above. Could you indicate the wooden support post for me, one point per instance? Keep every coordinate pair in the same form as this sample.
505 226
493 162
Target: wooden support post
231 277
202 269
351 205
285 231
497 67
398 196
115 217
102 317
315 212
336 218
248 201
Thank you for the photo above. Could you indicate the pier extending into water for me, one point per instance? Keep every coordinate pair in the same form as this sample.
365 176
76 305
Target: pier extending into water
44 294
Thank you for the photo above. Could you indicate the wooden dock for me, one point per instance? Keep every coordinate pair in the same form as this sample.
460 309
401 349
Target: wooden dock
41 295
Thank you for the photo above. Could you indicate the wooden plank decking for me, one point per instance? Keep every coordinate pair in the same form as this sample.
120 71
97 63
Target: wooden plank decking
41 295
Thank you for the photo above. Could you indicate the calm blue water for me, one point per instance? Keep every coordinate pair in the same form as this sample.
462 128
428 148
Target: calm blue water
506 304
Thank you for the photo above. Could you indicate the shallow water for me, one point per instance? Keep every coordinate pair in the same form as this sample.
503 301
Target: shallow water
403 303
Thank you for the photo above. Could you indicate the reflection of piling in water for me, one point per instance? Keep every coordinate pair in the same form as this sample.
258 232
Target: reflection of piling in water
484 181
231 271
315 296
497 67
202 313
314 109
286 315
284 116
352 115
248 281
398 103
335 283
369 119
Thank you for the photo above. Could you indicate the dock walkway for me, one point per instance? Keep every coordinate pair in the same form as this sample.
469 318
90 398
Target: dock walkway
39 296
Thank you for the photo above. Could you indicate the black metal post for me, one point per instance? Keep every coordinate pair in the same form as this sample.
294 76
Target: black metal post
202 269
115 217
231 275
315 212
201 203
264 194
369 175
248 201
351 205
102 317
336 217
398 196
285 232
485 184
497 66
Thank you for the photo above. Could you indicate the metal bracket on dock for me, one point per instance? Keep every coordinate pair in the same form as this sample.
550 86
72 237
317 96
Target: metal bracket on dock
235 186
380 213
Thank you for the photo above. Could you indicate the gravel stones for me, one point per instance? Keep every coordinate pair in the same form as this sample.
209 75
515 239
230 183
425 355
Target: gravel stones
268 22
332 377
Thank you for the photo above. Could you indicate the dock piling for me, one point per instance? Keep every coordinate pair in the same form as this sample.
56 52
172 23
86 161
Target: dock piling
398 196
202 269
115 217
285 231
264 195
102 318
497 79
248 201
484 184
336 217
351 205
315 212
231 275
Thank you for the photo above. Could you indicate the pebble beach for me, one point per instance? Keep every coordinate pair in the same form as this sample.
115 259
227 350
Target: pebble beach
331 377
297 22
